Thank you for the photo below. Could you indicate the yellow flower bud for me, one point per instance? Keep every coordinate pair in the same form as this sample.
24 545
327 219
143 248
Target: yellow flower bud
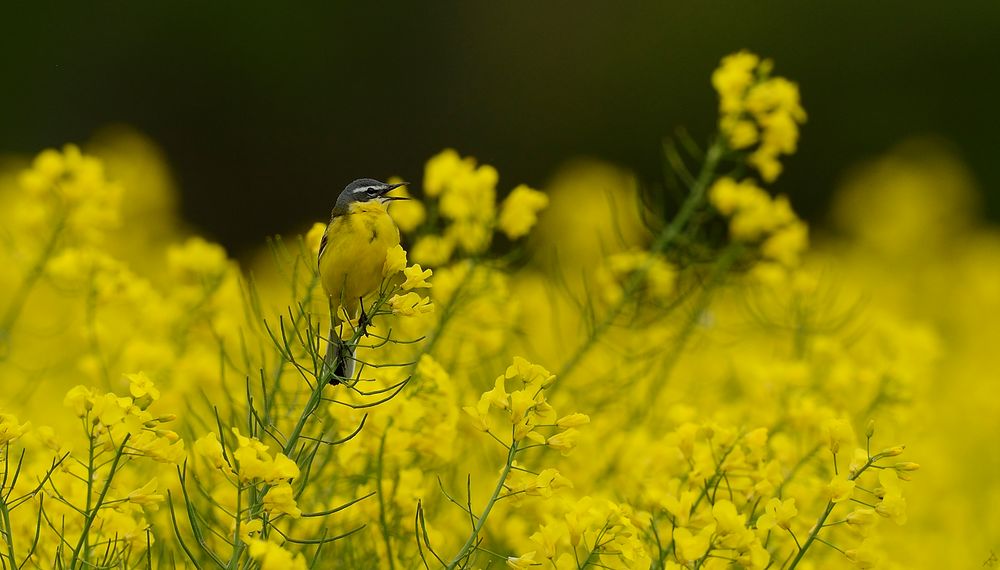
573 420
840 489
892 451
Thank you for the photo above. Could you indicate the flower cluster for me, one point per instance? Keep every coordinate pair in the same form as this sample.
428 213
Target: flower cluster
70 190
591 532
756 109
655 279
464 194
526 408
754 216
415 277
113 419
519 212
525 411
100 490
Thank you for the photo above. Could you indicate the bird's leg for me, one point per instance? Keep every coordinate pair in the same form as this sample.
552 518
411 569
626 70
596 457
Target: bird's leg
363 320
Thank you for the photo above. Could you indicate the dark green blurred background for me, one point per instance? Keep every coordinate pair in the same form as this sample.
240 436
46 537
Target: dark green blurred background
266 110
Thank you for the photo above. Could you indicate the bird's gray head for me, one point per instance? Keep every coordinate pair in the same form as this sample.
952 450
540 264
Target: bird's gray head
364 190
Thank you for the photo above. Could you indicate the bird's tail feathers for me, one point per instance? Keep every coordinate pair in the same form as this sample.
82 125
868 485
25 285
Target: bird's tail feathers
339 360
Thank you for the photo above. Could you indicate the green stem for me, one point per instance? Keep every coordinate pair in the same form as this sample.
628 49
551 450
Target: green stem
90 485
812 535
257 501
311 405
234 558
594 551
293 439
91 516
20 296
381 499
826 513
449 310
279 366
701 495
8 532
719 269
481 521
664 239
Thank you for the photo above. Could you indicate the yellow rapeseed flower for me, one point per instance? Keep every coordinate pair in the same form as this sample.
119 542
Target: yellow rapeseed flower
407 214
690 546
432 250
523 562
280 500
777 513
757 109
270 556
892 505
838 432
395 261
840 489
314 237
210 448
519 211
862 520
10 429
564 441
416 278
147 495
410 304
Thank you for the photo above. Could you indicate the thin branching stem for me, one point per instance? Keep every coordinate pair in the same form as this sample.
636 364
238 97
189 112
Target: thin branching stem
470 542
814 534
35 272
666 237
92 514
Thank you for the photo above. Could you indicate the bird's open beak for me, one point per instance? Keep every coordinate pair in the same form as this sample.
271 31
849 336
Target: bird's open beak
390 188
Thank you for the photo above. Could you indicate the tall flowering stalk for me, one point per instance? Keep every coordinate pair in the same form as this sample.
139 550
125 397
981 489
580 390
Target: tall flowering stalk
528 414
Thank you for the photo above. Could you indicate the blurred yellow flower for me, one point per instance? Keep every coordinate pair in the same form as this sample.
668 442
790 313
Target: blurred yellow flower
10 430
777 513
314 237
526 560
253 461
432 250
892 504
838 432
519 211
690 546
280 500
395 261
862 520
147 495
755 107
270 556
840 489
209 447
409 213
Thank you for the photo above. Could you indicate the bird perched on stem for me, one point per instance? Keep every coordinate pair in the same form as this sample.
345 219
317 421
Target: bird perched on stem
351 256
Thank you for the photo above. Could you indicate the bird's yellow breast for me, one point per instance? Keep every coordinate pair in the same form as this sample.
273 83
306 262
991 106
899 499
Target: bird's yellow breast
350 264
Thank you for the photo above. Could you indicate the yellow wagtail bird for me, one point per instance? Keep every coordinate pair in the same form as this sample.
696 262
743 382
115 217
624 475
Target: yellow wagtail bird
351 256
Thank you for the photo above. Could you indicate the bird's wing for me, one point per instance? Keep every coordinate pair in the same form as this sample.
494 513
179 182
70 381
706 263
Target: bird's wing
322 243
